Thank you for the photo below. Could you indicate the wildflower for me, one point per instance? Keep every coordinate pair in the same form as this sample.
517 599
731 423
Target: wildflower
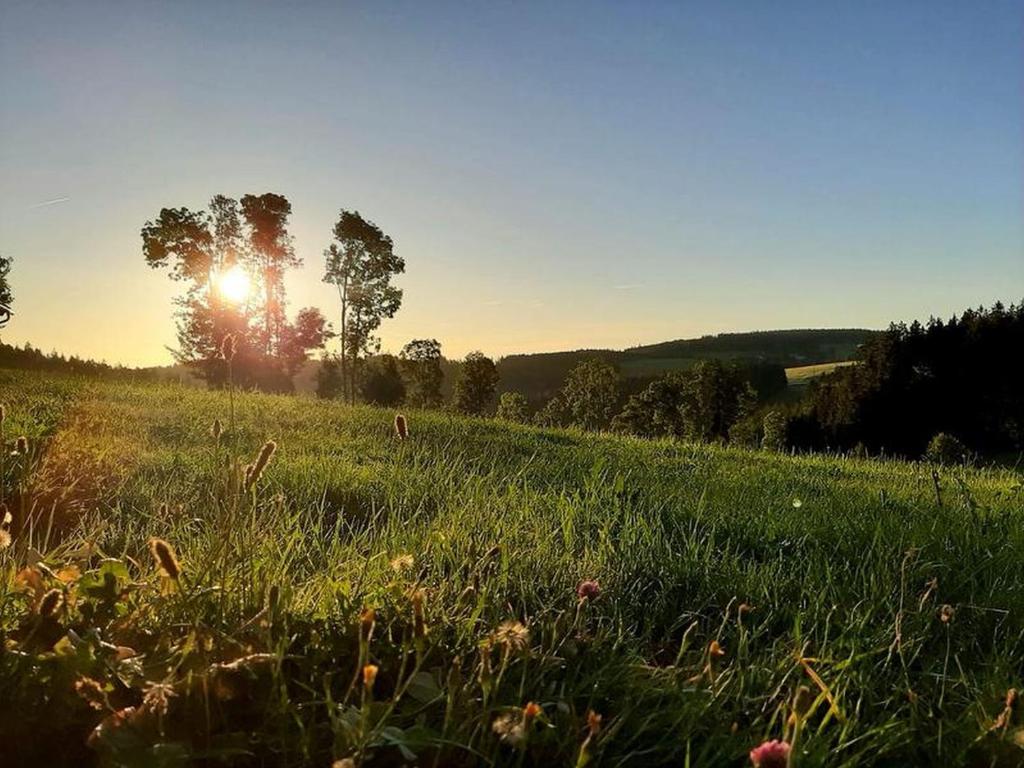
165 558
370 676
227 347
715 649
402 563
21 445
797 503
946 613
771 754
367 619
50 603
92 692
401 427
513 635
216 430
266 453
531 711
157 698
588 589
587 747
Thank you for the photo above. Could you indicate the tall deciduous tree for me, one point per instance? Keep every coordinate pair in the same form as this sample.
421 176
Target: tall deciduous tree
196 247
271 252
478 379
420 364
361 263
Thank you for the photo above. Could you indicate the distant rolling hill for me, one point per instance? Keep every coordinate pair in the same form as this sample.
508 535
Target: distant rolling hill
540 375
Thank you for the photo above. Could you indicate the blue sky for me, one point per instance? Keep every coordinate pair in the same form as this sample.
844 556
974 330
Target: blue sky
556 175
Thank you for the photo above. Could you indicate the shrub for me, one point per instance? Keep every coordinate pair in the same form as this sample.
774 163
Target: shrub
944 448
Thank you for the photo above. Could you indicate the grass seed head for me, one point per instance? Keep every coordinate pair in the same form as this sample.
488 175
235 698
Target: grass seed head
50 603
419 621
165 558
3 414
216 430
402 563
255 470
367 620
401 427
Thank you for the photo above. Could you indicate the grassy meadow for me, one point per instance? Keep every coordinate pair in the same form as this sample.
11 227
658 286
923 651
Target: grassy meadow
415 602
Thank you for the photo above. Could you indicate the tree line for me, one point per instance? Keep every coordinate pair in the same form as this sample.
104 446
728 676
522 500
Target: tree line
958 382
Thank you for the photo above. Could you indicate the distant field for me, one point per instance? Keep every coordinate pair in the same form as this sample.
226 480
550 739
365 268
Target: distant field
800 375
731 584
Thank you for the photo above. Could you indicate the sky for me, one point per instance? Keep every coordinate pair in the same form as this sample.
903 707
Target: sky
556 175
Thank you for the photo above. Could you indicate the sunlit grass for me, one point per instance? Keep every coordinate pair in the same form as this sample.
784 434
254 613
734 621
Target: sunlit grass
695 550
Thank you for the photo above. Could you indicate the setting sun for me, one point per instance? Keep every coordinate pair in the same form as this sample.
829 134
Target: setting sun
234 285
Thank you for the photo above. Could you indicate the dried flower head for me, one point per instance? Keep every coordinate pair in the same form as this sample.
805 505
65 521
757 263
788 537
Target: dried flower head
228 347
50 603
21 445
402 563
401 427
512 635
588 589
946 613
92 693
5 539
370 676
157 698
509 727
166 560
771 754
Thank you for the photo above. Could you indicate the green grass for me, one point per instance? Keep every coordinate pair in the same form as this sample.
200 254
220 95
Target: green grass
801 375
844 564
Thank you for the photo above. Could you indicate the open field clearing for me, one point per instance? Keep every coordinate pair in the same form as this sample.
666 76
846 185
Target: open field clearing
801 375
417 601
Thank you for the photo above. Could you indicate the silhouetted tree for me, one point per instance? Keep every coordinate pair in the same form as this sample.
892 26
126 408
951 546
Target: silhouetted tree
196 247
361 263
329 383
381 382
475 387
6 295
656 411
774 431
715 397
513 406
962 377
591 393
420 363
